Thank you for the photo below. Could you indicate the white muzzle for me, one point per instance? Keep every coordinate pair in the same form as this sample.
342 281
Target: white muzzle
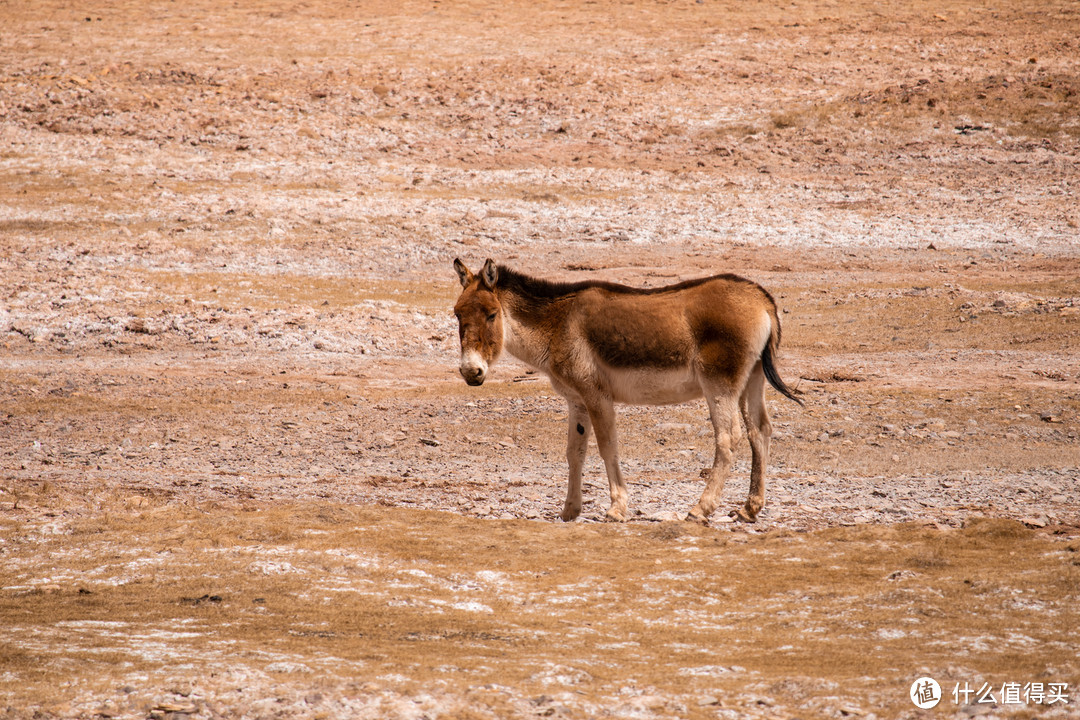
473 368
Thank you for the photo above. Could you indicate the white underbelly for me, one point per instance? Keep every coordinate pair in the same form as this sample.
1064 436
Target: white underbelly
653 387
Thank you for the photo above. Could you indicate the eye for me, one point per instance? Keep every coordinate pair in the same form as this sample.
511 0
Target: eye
491 317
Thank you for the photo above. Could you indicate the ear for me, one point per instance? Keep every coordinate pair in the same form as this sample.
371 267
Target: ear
489 275
464 274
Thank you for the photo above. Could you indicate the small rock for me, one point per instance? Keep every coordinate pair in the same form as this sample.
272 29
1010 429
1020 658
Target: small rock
898 575
978 709
1035 522
168 707
672 426
141 326
286 667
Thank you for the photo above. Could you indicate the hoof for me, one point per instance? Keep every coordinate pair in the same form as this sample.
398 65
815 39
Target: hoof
743 515
695 518
569 514
614 515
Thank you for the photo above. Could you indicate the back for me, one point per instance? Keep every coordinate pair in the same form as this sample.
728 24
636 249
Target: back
666 327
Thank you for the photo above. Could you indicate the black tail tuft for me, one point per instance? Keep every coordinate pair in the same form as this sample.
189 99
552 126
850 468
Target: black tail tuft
774 377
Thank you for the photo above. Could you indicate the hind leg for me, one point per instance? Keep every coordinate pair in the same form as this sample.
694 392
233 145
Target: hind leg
722 413
758 430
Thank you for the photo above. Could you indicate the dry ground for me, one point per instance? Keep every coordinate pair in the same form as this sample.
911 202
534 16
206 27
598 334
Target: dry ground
239 475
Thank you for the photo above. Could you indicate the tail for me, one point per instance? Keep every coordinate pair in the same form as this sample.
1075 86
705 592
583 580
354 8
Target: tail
767 364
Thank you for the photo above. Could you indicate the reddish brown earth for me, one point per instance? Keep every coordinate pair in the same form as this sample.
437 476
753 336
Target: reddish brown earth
228 361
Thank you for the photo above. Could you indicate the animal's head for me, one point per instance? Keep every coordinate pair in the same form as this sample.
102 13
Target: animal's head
480 321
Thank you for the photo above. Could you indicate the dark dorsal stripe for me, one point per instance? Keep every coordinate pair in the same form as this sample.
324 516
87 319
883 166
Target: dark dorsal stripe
539 289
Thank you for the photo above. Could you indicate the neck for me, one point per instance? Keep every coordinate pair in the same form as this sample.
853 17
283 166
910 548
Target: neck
521 336
530 306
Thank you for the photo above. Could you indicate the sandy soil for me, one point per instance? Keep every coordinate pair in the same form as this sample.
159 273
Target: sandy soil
226 235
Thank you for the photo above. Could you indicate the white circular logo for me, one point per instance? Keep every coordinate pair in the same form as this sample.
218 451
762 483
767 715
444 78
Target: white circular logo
925 693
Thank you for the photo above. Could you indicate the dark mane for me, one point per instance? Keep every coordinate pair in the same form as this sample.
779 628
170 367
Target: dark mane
540 289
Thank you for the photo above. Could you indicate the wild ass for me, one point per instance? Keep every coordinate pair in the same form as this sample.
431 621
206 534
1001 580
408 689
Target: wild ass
602 343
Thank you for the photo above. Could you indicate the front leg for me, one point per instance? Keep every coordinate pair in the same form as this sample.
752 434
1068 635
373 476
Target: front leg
577 444
602 413
722 415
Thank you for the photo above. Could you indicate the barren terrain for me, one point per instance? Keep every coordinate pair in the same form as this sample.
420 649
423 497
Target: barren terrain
241 477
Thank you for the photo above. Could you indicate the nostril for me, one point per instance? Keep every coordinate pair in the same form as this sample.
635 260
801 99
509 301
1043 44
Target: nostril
472 375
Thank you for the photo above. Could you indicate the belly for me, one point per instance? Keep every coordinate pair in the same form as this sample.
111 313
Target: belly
641 386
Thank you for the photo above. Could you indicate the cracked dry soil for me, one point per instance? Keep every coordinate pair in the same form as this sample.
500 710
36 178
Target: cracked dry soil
240 477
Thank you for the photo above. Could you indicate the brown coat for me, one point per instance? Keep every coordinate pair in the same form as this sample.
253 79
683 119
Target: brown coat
602 343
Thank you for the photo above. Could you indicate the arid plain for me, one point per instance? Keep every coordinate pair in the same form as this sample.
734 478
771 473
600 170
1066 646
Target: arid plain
240 476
